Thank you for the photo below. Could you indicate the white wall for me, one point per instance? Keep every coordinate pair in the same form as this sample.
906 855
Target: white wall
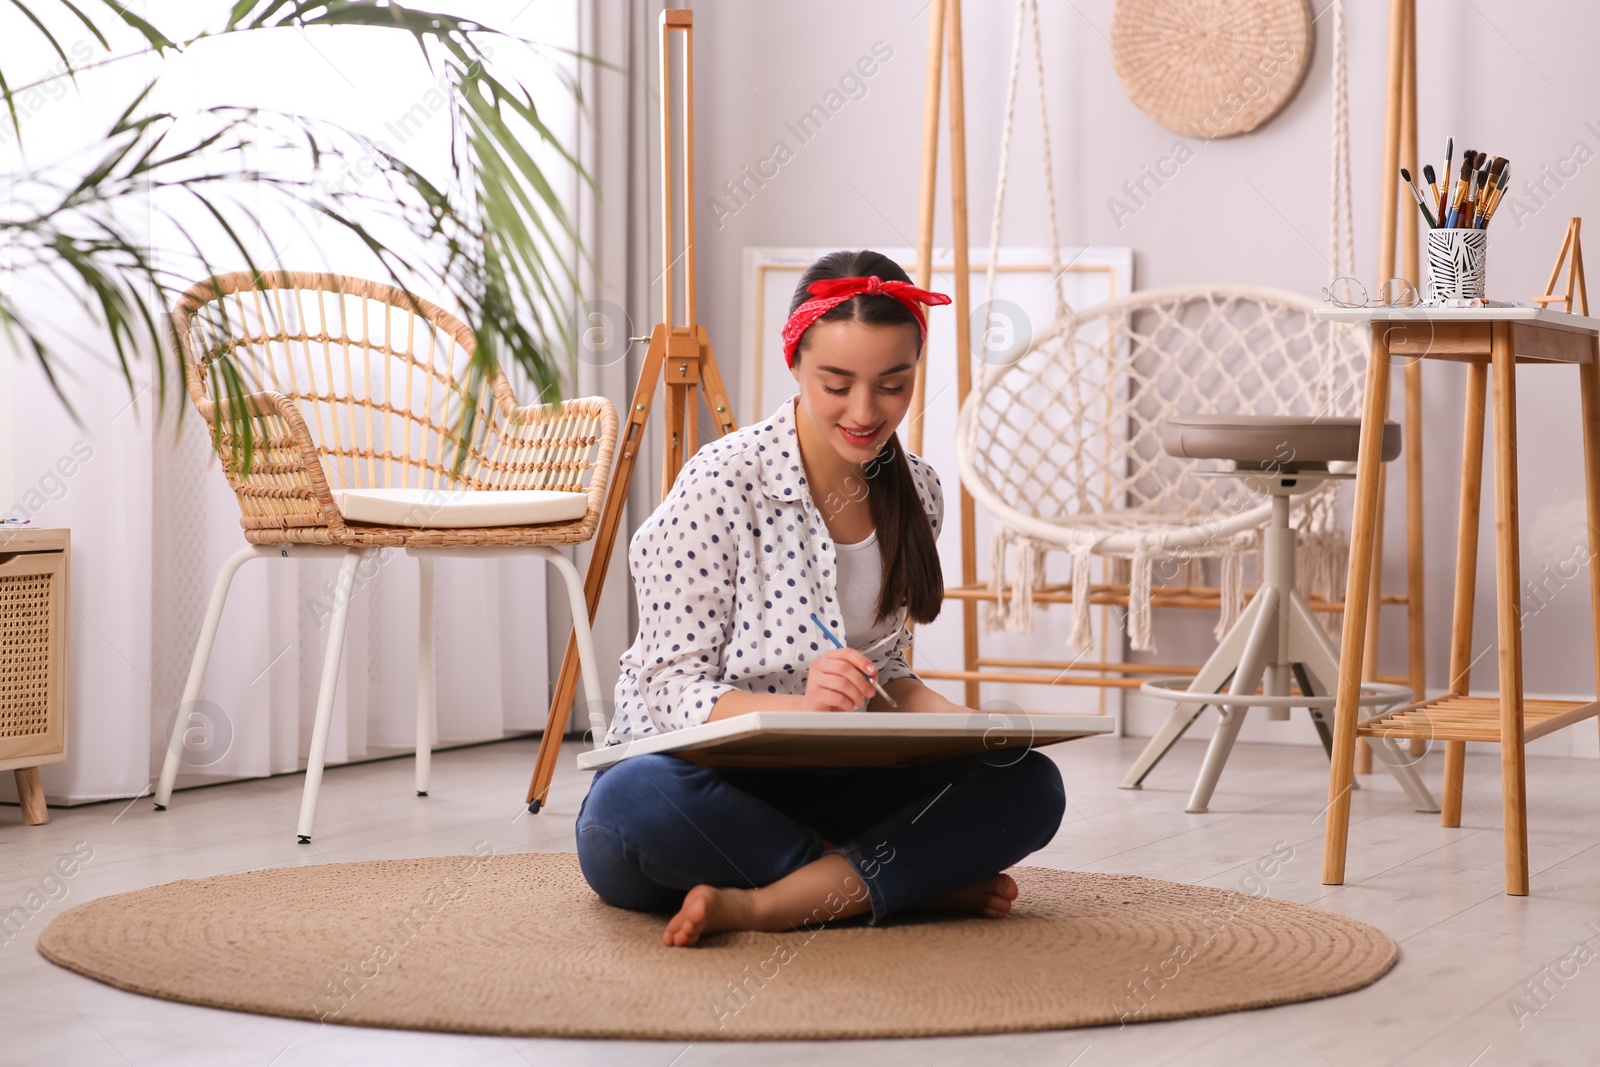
1251 209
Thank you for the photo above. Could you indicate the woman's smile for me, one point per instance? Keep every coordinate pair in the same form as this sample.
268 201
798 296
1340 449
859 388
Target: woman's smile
859 439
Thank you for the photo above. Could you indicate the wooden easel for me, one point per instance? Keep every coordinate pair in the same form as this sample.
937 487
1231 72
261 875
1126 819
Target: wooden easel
944 40
1572 255
1400 150
679 353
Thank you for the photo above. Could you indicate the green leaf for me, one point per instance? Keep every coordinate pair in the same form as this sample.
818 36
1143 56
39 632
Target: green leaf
157 40
88 23
42 28
500 239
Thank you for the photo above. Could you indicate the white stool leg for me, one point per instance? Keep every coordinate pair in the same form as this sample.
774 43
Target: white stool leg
1211 678
330 681
585 639
1316 663
1258 652
427 684
1311 646
197 666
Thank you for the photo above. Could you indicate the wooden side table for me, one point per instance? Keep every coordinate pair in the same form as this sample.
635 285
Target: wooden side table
33 658
1487 339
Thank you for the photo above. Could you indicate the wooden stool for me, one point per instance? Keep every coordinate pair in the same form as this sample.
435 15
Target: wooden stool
1485 339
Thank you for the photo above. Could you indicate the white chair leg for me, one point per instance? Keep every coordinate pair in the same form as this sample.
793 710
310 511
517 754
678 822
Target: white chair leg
1260 650
1398 762
1311 646
585 638
1211 678
427 685
197 666
330 681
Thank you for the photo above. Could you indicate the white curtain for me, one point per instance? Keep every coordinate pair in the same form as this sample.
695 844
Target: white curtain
620 225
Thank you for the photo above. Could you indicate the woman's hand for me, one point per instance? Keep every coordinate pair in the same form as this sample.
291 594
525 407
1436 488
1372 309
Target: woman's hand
836 681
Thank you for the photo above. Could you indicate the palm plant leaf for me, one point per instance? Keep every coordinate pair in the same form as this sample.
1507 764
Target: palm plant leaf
498 236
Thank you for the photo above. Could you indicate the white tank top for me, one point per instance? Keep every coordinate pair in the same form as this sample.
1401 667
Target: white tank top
860 575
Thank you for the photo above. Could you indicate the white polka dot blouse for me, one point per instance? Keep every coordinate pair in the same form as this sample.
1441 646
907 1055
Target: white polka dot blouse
728 571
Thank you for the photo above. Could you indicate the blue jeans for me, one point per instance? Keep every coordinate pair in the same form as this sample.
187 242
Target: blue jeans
653 827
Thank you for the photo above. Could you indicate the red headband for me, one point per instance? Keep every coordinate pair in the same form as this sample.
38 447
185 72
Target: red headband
831 292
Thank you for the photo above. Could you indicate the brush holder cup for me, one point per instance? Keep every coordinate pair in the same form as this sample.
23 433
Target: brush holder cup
1456 264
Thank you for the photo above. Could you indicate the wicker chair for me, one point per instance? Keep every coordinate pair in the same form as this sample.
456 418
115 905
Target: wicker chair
353 388
1062 445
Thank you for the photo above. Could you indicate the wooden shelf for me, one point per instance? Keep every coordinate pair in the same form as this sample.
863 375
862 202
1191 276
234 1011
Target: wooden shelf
1463 718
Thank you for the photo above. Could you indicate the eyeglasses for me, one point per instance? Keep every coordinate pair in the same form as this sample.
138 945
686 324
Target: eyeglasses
1350 293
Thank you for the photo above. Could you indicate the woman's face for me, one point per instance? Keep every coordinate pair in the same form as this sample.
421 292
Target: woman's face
855 383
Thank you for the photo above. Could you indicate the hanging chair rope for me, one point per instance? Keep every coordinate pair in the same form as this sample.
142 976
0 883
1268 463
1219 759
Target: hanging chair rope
1025 8
1062 445
1341 224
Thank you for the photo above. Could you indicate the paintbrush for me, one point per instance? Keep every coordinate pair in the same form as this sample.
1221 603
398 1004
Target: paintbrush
840 644
1483 192
1416 194
1498 195
1460 195
1449 153
1497 166
1469 210
1433 187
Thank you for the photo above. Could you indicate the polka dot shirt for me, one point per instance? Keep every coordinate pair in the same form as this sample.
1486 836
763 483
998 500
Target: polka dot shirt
727 572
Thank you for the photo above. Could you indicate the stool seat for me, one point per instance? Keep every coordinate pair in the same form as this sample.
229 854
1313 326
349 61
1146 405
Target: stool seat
1287 442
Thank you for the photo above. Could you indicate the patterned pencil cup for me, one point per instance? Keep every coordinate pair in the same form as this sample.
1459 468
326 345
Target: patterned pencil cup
1456 264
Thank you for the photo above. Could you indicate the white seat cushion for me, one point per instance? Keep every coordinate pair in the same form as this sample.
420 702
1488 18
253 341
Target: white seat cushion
456 508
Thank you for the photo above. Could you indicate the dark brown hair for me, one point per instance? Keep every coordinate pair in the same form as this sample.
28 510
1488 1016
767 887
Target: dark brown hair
911 571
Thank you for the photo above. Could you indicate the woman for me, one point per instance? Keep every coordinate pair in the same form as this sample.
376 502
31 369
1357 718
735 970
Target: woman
815 510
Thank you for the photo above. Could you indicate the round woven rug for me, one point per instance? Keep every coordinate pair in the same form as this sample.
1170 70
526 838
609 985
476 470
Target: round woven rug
1211 68
517 944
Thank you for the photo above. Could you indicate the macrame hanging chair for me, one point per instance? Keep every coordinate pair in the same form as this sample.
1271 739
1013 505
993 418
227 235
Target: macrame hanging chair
1061 444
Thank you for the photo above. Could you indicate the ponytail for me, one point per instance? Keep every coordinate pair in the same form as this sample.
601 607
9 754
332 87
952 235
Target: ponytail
911 570
912 573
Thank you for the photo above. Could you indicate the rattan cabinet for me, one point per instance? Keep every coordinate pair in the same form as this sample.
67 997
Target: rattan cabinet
33 659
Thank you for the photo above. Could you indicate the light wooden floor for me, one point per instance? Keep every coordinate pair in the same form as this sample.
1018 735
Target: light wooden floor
1467 950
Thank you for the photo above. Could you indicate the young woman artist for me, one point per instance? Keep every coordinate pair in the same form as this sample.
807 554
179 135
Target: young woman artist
817 509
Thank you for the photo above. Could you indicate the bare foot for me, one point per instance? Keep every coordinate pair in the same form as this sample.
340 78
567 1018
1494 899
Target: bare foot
990 898
825 889
708 910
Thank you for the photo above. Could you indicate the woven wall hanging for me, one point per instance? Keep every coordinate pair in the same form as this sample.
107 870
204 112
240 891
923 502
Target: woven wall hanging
1211 68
